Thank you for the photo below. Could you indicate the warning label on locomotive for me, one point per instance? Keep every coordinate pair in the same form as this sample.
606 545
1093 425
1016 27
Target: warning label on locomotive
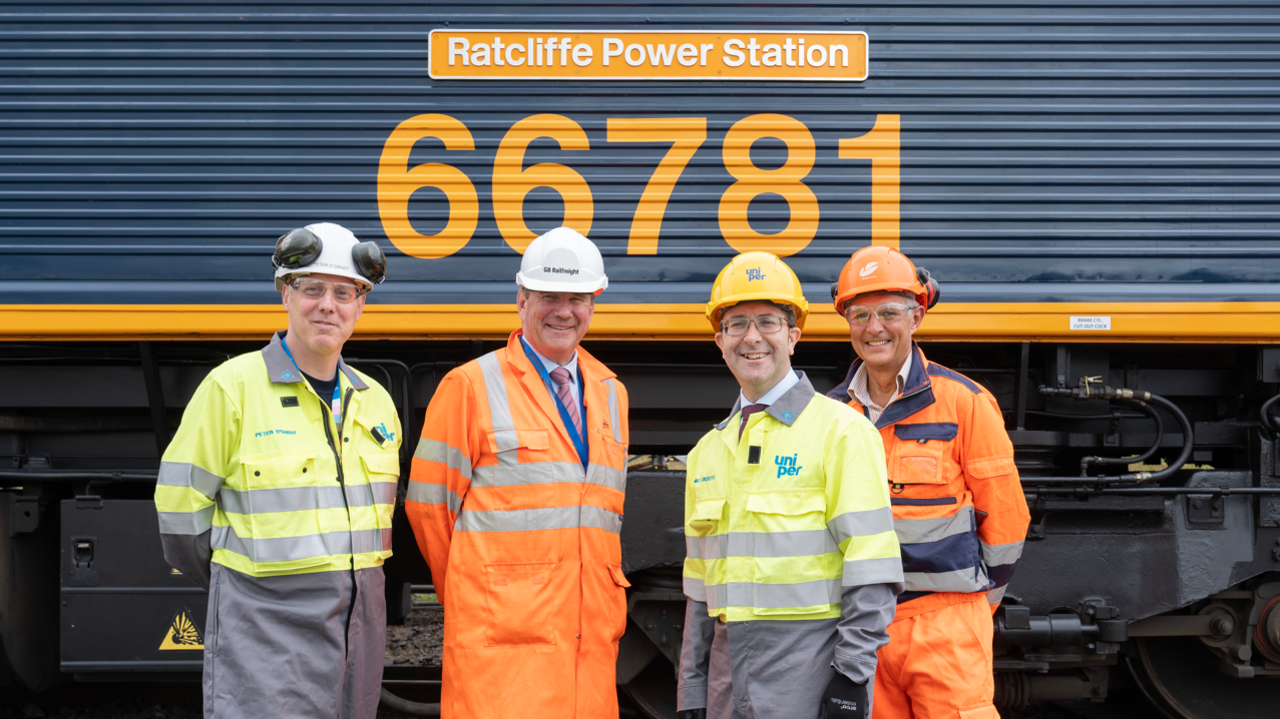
1091 323
622 55
182 633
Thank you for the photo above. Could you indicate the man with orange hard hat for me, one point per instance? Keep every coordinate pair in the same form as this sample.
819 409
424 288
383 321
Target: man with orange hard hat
515 498
958 507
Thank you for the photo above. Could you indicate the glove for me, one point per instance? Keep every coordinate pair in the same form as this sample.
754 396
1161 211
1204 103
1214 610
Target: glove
692 714
845 699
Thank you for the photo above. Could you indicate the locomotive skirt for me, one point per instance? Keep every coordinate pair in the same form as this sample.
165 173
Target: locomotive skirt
300 646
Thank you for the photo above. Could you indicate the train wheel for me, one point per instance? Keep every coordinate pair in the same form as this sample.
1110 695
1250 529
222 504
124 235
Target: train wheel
654 689
1181 677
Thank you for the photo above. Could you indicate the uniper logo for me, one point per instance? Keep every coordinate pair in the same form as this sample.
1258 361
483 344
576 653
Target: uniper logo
871 267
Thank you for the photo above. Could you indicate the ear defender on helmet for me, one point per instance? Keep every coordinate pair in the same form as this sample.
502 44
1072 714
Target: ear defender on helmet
932 293
370 261
835 290
297 249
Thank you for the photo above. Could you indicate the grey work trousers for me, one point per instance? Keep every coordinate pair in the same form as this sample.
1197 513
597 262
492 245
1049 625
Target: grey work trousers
778 670
301 646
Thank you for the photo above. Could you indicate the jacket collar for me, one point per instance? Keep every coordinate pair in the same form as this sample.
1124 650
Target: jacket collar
282 370
591 370
787 408
916 395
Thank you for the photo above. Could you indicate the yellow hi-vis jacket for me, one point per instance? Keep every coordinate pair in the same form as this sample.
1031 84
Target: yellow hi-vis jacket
780 522
259 464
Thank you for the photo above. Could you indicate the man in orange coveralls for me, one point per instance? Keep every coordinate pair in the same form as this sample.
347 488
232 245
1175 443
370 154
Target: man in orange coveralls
515 497
958 508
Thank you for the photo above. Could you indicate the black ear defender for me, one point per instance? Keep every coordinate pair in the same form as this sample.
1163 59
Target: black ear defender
370 262
300 248
297 249
932 293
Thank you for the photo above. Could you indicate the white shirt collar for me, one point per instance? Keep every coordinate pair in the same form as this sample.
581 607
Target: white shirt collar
858 388
571 365
788 381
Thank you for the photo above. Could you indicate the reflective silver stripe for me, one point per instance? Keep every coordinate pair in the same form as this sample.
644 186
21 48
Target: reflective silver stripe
960 580
283 499
860 572
693 547
384 492
309 546
510 473
805 543
606 476
427 493
995 595
695 589
996 554
613 411
185 474
774 596
920 531
433 494
504 430
359 495
187 523
861 524
431 450
528 520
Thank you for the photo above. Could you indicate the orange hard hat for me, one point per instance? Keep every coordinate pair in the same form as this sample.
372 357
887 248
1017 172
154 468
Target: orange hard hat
882 269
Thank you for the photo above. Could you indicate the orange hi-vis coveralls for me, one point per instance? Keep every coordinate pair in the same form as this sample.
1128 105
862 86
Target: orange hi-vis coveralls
523 543
961 519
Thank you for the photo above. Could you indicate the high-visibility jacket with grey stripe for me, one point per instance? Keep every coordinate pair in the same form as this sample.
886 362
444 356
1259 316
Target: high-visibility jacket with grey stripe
522 541
958 506
260 478
780 521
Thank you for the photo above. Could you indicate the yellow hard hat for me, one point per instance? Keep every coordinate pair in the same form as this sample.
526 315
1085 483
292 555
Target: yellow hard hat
756 276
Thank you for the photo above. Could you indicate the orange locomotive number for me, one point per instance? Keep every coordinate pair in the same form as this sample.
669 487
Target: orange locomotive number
512 181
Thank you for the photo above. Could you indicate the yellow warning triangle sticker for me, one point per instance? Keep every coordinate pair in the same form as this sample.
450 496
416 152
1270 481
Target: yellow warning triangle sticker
182 633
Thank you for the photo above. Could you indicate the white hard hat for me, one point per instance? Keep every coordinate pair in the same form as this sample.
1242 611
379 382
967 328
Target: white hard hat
329 249
562 260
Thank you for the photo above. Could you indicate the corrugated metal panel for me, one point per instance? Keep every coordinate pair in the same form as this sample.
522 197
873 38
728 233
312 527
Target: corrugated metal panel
1051 151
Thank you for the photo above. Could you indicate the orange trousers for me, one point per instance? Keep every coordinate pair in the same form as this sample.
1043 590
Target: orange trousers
937 665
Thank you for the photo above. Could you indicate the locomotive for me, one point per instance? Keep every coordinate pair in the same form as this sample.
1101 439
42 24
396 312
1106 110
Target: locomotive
1092 185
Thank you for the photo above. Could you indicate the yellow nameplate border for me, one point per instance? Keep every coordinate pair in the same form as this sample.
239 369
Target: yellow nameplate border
834 56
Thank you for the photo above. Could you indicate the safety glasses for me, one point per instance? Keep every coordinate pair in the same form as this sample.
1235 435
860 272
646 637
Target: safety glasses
767 324
887 314
314 289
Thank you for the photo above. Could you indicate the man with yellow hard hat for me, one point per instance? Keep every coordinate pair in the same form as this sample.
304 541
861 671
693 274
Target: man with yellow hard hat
958 507
792 563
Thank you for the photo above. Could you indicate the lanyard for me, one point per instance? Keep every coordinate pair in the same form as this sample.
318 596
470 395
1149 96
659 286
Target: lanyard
579 442
335 405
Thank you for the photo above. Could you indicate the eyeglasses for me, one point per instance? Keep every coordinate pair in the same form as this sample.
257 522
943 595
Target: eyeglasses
767 324
314 289
887 314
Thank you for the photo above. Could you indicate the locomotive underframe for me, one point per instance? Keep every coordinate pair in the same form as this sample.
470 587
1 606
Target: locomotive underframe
1113 572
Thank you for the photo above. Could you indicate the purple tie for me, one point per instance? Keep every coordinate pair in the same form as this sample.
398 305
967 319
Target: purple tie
562 379
747 412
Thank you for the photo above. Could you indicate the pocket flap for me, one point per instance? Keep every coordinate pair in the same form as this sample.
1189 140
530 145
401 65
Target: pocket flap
787 503
381 463
506 440
615 571
708 509
991 467
282 468
945 431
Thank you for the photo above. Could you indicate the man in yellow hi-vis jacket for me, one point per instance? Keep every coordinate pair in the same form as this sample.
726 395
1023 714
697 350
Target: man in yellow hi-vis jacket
276 495
792 563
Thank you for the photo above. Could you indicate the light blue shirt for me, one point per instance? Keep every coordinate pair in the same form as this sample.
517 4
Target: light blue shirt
788 381
572 366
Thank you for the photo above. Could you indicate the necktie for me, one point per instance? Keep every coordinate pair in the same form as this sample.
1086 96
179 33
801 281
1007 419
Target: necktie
561 377
747 412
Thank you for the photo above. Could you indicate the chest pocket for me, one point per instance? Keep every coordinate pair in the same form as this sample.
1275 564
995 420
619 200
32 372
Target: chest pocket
707 514
922 450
